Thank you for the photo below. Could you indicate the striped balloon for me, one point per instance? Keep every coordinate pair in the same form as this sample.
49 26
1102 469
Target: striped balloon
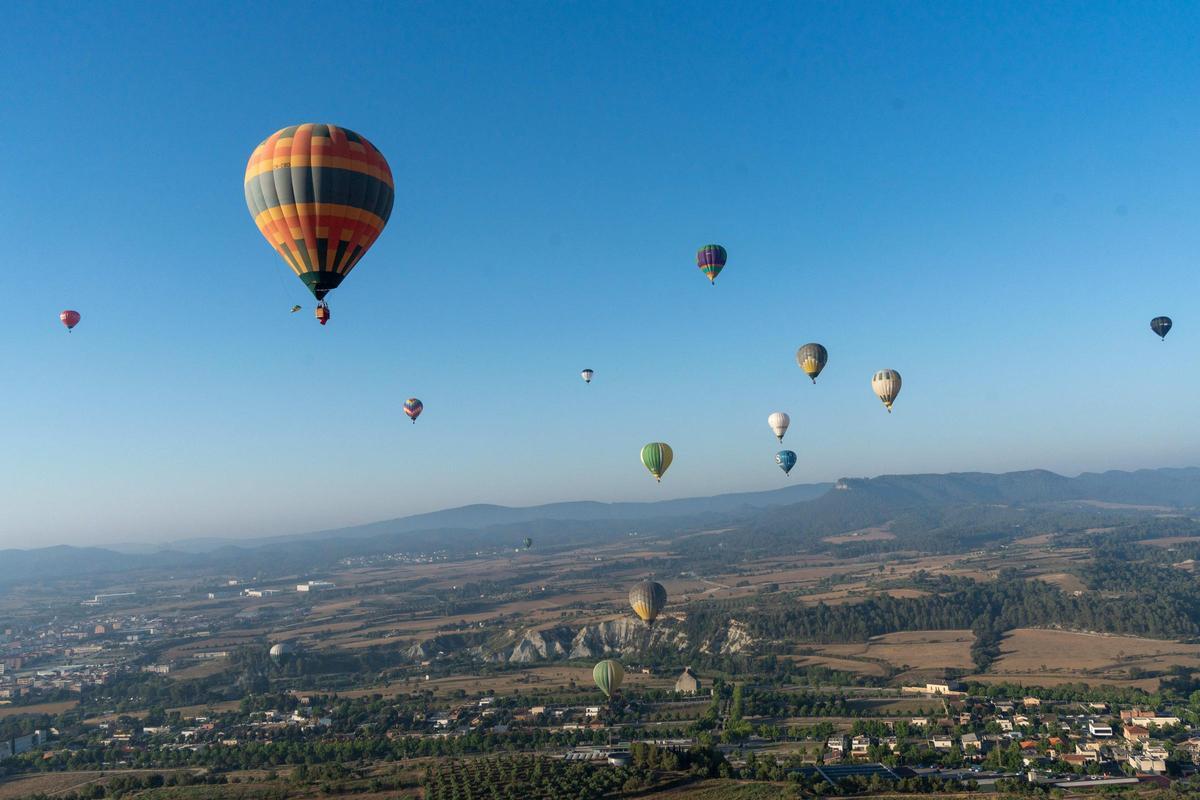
647 599
811 358
320 195
413 408
657 456
886 385
711 260
608 675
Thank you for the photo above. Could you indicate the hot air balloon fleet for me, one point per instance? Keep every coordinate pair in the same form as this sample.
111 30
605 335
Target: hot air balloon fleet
321 195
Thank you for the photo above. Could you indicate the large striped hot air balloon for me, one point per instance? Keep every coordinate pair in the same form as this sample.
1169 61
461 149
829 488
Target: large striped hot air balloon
320 195
811 358
711 260
608 675
657 456
886 385
647 599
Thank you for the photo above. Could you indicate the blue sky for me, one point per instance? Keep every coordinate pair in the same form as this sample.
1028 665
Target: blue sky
992 199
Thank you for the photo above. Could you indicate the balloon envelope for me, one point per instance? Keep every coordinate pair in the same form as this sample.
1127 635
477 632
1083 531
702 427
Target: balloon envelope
811 358
587 375
608 675
711 260
320 195
886 385
657 457
779 422
528 543
1161 326
413 408
69 318
786 459
648 598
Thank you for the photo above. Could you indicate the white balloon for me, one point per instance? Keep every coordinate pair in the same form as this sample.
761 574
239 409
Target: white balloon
779 422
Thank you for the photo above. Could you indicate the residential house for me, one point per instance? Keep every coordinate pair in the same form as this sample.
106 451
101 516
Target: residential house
970 742
687 682
941 742
1136 733
860 746
1147 764
1100 730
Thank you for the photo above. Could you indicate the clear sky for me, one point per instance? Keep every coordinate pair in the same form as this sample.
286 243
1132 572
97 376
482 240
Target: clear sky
993 199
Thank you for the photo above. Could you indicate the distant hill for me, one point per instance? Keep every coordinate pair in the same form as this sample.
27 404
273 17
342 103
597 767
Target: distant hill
799 511
481 516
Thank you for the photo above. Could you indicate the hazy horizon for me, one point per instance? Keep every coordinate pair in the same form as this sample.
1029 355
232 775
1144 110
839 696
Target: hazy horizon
993 201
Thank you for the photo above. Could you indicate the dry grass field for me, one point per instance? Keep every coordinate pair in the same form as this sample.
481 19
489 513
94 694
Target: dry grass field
917 650
61 782
38 708
1049 657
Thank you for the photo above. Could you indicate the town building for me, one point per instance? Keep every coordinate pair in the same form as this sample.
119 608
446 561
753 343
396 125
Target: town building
687 682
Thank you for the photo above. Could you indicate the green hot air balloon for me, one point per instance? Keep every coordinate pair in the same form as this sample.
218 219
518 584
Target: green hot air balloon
657 457
528 543
608 675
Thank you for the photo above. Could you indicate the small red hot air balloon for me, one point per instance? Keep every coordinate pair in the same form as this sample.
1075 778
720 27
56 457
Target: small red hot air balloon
69 318
322 313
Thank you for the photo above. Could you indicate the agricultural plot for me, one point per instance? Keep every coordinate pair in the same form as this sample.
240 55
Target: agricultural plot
522 778
1049 657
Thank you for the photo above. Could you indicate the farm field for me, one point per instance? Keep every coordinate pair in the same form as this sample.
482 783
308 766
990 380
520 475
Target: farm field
1049 657
945 649
38 708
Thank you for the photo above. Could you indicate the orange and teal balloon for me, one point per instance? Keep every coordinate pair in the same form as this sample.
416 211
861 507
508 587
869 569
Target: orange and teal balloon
657 457
711 260
413 408
608 675
321 196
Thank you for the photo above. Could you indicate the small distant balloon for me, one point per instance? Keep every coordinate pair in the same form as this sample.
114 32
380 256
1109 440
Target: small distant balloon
779 422
786 459
886 385
587 375
1161 326
608 675
295 309
811 358
657 457
711 260
413 408
282 652
69 318
528 543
